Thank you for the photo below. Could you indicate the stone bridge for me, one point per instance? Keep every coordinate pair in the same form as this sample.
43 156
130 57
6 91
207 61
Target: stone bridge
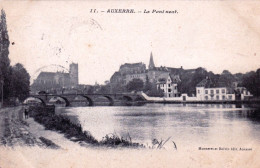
125 98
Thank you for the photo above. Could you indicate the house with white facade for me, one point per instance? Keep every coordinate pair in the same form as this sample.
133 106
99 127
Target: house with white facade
168 84
245 94
205 91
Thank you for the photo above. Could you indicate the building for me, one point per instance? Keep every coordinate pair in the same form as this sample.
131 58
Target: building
117 79
245 94
205 91
132 76
49 81
127 72
168 85
132 68
74 75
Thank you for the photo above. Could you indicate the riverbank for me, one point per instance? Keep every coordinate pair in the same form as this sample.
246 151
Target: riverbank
15 132
74 131
48 130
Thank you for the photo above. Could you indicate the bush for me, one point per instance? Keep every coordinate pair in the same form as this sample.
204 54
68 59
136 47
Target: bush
114 140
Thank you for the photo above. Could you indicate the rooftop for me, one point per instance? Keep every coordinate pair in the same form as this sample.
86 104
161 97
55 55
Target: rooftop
132 65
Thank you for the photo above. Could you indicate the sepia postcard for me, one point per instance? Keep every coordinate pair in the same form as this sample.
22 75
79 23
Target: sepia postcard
149 84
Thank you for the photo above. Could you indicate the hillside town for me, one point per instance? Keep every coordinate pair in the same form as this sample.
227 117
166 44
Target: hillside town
155 83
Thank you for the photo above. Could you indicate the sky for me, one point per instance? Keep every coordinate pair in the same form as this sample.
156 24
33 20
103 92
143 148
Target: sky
215 35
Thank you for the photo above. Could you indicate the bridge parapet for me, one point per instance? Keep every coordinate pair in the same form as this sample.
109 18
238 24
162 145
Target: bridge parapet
90 98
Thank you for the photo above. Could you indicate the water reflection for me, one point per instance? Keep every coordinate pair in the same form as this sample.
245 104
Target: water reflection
189 124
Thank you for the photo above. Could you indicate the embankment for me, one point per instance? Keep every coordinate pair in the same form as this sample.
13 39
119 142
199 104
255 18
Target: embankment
47 117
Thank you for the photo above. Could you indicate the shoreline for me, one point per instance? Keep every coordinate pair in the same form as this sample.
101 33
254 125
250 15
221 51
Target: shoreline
44 135
74 131
15 131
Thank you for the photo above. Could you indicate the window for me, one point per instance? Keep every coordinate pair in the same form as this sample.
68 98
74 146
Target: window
223 91
206 97
211 91
206 91
230 97
217 97
198 91
217 91
169 90
223 97
175 87
169 85
169 95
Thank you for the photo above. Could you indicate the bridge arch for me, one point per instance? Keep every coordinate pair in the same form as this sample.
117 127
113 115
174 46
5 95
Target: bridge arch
67 103
42 101
128 100
90 101
139 101
111 101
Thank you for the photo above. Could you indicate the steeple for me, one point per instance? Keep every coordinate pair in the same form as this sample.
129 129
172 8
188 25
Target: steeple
151 63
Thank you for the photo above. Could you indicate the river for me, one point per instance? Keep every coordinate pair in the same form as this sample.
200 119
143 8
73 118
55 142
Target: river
188 125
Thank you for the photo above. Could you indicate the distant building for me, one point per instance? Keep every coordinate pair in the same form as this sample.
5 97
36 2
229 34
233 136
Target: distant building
49 81
132 68
151 62
130 77
168 85
117 78
205 90
74 75
245 94
127 72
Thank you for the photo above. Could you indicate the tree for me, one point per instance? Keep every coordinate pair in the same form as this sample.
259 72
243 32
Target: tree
104 89
148 84
16 80
226 79
5 68
20 82
90 90
117 88
189 80
135 85
251 81
155 92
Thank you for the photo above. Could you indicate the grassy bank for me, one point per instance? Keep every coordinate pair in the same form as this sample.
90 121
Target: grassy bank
75 132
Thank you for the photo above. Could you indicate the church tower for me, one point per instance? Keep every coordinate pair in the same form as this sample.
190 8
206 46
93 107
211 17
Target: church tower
74 74
151 63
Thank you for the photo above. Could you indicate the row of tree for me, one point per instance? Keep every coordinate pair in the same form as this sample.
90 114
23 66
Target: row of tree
15 80
250 80
134 85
